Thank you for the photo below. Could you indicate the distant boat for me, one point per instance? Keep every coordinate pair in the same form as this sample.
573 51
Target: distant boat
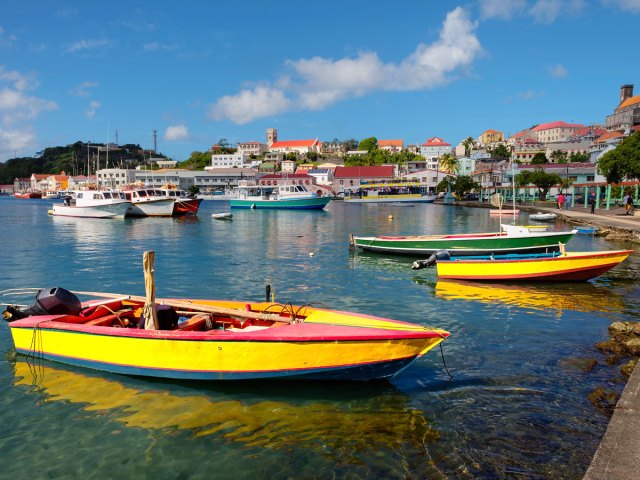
391 192
465 243
542 216
286 196
558 266
28 195
93 204
222 216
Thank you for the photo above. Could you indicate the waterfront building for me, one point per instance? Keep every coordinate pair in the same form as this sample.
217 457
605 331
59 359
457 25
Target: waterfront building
39 181
627 113
393 146
466 165
427 177
287 179
323 176
21 184
348 178
115 177
165 163
218 179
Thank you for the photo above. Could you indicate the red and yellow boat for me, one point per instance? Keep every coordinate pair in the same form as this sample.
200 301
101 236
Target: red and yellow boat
215 339
559 266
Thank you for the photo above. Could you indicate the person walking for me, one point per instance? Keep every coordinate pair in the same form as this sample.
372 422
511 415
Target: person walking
560 201
592 202
628 204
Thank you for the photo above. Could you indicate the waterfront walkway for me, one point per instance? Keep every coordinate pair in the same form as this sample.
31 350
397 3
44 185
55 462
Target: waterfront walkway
618 455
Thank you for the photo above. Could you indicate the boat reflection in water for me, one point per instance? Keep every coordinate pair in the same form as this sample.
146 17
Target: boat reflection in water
365 417
583 297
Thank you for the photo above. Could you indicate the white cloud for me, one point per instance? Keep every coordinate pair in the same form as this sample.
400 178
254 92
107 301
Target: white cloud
17 108
547 11
627 5
6 40
250 104
319 82
81 45
176 132
20 81
155 46
16 142
93 108
82 90
558 71
504 9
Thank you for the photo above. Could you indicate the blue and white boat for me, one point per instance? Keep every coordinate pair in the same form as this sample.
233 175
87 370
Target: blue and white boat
287 196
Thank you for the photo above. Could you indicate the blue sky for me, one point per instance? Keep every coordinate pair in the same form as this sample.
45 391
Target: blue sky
200 71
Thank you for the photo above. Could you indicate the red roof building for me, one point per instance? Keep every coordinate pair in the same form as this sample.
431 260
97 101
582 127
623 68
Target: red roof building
557 131
296 146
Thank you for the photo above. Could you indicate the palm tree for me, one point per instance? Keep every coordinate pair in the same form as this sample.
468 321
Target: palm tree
448 163
468 143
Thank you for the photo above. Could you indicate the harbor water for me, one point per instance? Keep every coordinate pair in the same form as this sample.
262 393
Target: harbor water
516 406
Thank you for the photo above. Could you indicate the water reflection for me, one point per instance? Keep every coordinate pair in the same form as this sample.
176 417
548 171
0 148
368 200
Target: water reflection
580 297
372 416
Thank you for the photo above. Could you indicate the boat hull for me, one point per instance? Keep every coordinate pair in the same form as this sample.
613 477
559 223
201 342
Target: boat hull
153 207
312 203
465 244
27 195
327 345
574 266
110 210
184 206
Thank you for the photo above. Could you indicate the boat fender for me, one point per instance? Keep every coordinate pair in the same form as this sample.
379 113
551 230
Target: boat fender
49 301
432 260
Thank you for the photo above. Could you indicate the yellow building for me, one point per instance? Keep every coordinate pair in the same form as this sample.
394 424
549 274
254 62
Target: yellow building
490 137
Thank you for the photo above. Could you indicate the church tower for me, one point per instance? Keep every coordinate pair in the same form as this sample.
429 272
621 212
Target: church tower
626 91
272 136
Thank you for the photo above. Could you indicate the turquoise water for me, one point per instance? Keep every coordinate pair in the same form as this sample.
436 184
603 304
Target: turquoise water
516 407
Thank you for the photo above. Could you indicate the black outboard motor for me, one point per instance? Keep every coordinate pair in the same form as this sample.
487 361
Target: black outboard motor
432 260
50 301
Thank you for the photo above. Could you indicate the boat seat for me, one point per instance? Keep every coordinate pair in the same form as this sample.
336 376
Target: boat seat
109 319
197 322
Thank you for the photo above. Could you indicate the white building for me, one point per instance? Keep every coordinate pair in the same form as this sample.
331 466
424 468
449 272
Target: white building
433 149
115 177
227 160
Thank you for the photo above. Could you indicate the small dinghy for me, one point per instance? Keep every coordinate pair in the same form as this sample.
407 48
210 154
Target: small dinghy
541 216
222 216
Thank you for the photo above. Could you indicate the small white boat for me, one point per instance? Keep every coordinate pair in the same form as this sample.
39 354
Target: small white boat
222 216
542 216
93 204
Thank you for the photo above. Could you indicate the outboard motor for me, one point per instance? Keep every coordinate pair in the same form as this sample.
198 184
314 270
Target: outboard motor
50 301
432 260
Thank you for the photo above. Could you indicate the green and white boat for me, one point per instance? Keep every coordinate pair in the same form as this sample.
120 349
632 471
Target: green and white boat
521 241
290 197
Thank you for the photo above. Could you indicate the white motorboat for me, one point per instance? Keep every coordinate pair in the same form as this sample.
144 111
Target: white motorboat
542 216
93 204
145 203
